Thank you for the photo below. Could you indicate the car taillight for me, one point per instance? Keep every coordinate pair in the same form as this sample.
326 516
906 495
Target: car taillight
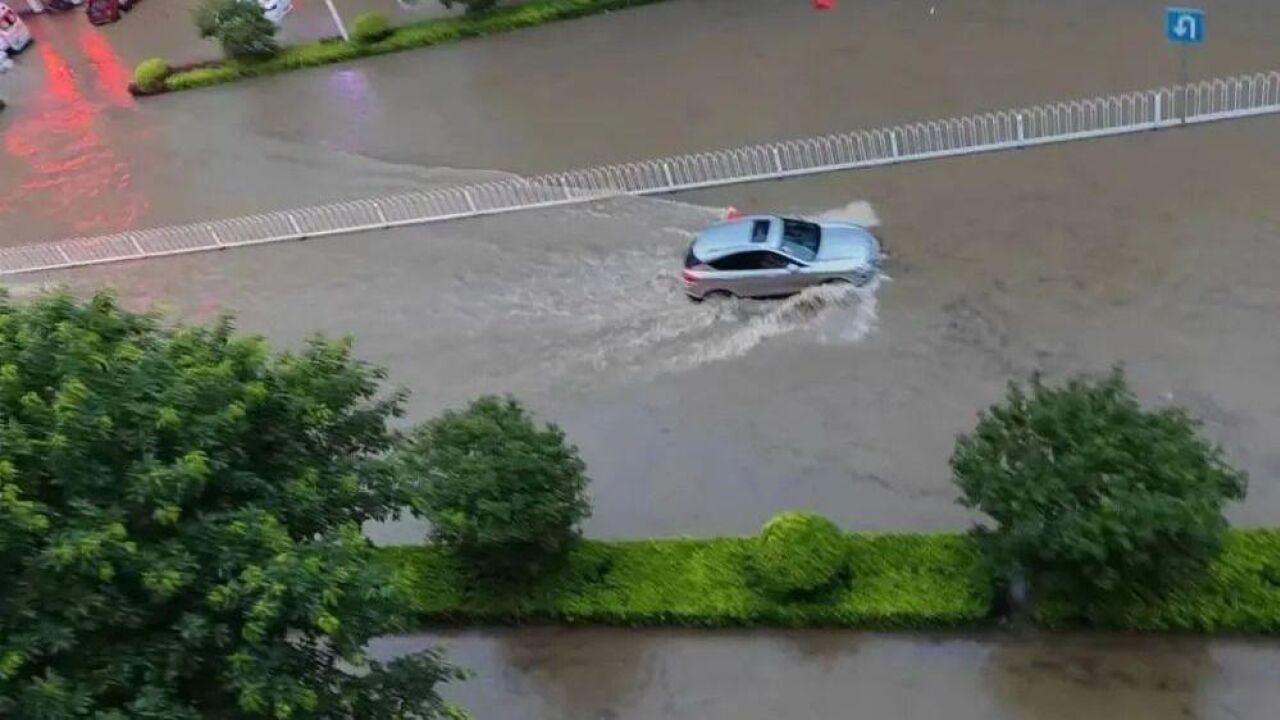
694 274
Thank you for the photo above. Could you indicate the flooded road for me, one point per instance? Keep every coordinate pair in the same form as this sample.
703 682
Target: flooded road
698 74
605 674
697 419
703 420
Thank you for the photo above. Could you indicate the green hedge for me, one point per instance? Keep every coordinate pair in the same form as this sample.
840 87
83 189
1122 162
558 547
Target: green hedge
417 35
1240 594
899 581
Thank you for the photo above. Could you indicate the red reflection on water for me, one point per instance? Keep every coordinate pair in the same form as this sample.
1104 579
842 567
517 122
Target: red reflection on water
111 77
75 177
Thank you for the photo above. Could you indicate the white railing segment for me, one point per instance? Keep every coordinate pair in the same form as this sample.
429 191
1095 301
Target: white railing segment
1204 101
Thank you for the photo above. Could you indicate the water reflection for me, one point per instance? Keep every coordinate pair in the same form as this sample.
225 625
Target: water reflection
69 175
1101 676
578 676
538 673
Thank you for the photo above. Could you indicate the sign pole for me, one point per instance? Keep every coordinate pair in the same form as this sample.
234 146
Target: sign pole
337 20
1184 26
1185 80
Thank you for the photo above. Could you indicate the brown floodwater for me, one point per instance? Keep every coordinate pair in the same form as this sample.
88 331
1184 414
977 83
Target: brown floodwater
78 155
606 674
698 420
703 420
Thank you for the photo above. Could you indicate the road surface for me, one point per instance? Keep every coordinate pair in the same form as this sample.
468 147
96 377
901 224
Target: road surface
703 420
79 156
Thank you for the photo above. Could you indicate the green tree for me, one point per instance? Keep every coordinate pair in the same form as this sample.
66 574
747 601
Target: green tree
1093 496
504 493
180 515
240 27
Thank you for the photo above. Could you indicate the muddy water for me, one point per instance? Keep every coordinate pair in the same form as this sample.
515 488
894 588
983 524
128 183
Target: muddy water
537 674
702 419
79 156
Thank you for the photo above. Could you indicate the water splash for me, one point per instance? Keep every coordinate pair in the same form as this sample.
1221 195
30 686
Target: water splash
576 319
836 313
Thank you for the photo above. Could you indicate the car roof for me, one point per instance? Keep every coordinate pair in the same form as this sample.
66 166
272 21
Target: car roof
734 236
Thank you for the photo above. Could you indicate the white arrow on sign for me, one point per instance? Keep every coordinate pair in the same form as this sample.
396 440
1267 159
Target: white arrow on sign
1185 27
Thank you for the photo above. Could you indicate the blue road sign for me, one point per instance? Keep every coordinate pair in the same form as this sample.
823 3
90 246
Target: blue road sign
1184 26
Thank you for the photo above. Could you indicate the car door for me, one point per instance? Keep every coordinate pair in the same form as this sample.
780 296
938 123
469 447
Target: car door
754 273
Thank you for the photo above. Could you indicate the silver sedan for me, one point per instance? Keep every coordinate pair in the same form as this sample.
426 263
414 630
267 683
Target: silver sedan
768 256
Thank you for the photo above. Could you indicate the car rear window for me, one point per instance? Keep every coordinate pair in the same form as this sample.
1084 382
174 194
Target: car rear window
690 259
801 239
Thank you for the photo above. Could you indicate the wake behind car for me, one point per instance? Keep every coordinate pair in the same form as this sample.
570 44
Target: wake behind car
770 256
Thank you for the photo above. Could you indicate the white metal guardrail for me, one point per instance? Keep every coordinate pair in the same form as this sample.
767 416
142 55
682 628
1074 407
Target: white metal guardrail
1138 111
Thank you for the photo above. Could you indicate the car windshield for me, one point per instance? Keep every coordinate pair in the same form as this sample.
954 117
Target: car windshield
801 239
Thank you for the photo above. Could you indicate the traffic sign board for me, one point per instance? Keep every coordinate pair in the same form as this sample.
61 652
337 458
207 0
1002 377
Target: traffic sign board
1184 26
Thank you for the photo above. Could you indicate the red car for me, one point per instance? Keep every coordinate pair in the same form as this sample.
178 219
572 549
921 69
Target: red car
101 12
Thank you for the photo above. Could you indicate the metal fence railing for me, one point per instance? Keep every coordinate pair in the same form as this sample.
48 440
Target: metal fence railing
1203 101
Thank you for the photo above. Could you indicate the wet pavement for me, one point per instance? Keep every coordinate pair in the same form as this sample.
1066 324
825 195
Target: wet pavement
701 419
77 155
697 419
603 674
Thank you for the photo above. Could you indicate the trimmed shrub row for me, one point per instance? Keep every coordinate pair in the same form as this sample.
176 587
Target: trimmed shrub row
897 582
372 38
1240 593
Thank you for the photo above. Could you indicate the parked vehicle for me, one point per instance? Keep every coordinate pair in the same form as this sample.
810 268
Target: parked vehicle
14 35
101 12
61 5
769 256
275 10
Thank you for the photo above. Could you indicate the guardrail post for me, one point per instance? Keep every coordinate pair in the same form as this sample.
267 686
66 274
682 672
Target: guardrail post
214 233
777 159
893 142
666 171
62 252
137 247
471 203
382 217
1022 137
1159 107
293 223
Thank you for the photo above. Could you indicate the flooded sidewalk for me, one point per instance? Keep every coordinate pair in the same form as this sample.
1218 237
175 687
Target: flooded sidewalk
611 674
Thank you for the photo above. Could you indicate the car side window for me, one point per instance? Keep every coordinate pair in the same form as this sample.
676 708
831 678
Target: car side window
754 260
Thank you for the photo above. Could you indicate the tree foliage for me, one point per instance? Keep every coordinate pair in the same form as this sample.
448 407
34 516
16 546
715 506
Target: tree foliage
502 491
241 27
1091 494
370 27
180 524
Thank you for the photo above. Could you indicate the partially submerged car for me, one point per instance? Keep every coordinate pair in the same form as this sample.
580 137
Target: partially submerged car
770 256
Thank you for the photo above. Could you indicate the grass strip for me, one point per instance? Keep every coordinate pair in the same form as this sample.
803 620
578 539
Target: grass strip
417 35
896 581
1239 594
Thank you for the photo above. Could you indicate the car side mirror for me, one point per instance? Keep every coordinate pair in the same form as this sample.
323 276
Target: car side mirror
793 268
